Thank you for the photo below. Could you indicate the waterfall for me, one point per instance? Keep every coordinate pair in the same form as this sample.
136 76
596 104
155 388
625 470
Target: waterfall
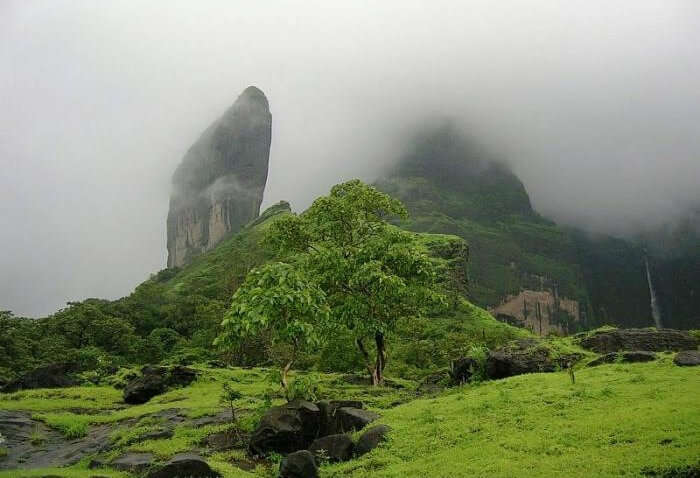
655 311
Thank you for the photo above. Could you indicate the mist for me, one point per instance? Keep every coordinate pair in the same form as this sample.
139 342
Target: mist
594 104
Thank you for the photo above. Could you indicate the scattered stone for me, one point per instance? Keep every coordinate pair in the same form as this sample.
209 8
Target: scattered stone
185 465
300 464
223 440
218 419
626 357
133 462
57 375
328 408
649 340
333 448
687 358
352 419
286 428
156 380
371 439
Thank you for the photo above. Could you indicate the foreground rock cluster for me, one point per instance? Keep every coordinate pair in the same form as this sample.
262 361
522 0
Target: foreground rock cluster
311 433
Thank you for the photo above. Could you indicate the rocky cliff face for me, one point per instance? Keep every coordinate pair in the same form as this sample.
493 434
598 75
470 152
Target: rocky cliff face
543 312
219 185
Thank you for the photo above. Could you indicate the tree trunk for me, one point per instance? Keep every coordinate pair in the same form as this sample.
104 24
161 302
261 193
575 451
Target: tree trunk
372 368
381 358
285 372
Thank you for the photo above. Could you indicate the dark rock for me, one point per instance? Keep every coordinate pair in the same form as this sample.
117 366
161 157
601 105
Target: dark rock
649 340
287 428
518 359
218 187
300 464
156 434
133 462
220 418
328 408
462 370
371 439
185 465
687 358
332 447
56 375
223 440
156 380
626 357
352 419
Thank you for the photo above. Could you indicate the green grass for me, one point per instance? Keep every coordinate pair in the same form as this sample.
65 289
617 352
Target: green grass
616 420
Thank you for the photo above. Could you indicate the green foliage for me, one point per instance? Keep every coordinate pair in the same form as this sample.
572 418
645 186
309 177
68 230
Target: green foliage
372 274
229 395
304 387
282 302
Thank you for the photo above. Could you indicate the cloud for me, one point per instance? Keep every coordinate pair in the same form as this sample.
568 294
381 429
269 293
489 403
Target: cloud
595 104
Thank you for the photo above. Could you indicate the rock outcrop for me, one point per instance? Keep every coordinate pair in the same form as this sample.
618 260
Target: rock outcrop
219 185
541 311
156 380
55 375
649 340
623 357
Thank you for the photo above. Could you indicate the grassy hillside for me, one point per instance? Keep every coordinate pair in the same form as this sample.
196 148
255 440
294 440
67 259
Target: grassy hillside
617 420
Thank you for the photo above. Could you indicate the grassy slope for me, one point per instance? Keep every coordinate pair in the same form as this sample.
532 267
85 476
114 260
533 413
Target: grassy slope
615 421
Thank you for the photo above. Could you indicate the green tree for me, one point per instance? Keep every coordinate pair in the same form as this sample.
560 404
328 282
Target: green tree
372 274
279 300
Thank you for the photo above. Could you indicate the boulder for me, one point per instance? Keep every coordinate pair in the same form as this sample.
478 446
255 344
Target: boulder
156 380
133 462
649 340
371 439
287 428
352 419
300 464
55 375
517 359
687 358
328 408
185 465
626 357
334 448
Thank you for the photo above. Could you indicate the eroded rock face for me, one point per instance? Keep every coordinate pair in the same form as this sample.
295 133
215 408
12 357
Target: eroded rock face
219 185
649 340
